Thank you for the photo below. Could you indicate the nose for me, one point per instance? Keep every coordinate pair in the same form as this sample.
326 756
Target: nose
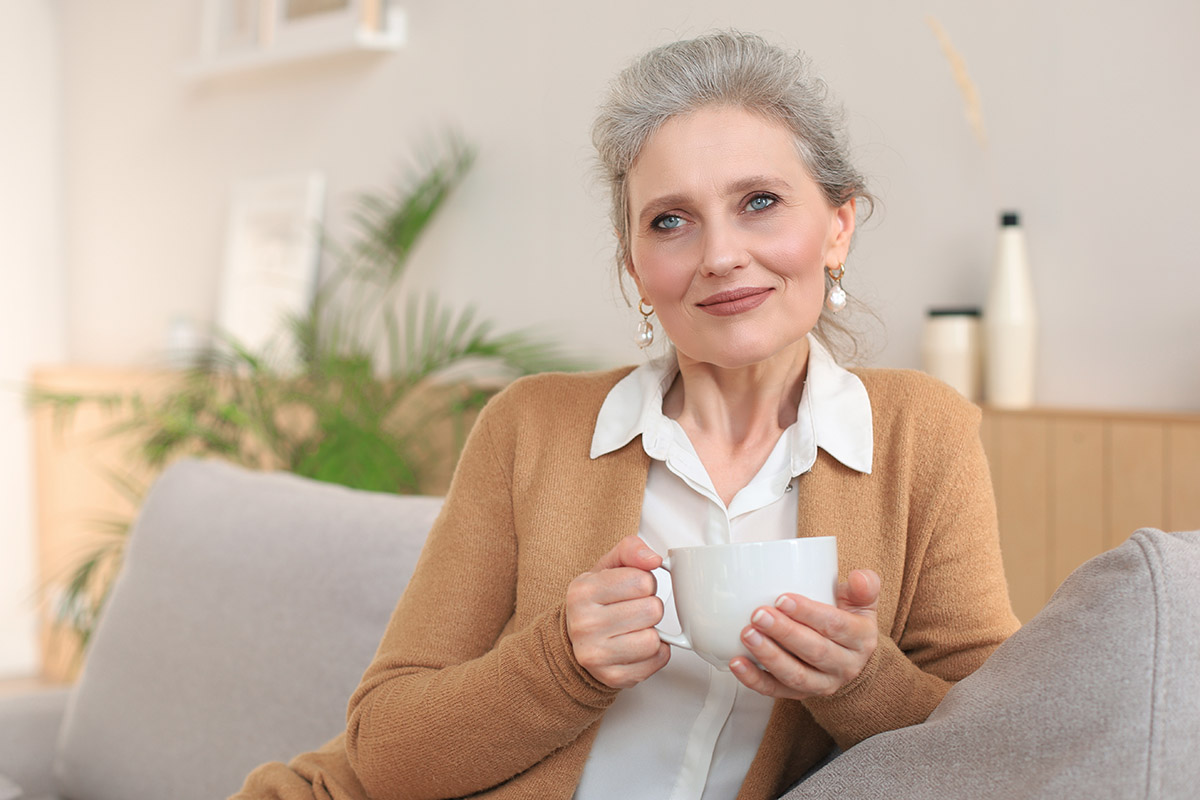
723 250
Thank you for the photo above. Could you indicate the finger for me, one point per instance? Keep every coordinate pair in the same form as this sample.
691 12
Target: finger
628 649
754 678
629 552
827 623
626 616
799 641
860 591
617 585
626 676
781 674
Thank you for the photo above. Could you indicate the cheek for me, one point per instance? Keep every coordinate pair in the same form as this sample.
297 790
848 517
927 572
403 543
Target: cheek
662 276
801 259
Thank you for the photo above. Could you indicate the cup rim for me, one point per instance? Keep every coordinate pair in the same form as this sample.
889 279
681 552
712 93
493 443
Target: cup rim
731 545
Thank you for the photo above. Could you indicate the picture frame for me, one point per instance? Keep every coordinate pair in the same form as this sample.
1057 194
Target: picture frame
234 27
272 254
306 24
245 34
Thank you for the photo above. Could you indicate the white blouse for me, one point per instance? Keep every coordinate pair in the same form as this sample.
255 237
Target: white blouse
690 731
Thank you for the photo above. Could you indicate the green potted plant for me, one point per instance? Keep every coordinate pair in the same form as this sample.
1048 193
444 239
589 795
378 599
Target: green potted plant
360 390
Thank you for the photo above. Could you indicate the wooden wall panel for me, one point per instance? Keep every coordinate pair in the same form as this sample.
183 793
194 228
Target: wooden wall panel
75 494
1136 487
1072 484
1183 481
1021 478
1077 498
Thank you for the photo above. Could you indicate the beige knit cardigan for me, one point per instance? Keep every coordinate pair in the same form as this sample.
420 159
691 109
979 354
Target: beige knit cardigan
475 689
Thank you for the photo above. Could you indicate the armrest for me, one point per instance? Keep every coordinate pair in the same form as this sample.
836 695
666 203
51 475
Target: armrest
29 726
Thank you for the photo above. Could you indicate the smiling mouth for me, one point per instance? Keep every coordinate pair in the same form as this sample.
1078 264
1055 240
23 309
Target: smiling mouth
735 301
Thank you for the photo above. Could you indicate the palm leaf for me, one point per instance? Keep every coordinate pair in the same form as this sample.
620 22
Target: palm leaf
389 224
352 405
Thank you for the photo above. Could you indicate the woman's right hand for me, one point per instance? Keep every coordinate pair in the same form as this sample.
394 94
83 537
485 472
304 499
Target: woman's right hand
611 614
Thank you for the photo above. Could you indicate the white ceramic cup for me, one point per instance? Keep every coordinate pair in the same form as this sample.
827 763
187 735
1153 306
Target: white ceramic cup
718 587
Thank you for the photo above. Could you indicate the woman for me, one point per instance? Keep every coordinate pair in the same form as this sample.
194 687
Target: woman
522 659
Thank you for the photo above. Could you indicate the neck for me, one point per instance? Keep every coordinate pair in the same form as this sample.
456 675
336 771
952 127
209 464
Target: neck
741 404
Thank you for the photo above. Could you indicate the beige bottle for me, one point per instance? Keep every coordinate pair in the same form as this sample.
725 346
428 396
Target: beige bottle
951 349
1010 322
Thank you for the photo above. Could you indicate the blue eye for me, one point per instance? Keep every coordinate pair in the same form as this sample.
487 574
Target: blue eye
760 202
668 222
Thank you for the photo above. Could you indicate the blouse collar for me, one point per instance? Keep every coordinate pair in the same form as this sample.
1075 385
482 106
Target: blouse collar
834 413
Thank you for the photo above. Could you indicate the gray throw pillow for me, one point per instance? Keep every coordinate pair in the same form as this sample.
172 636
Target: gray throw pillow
1097 697
9 790
247 609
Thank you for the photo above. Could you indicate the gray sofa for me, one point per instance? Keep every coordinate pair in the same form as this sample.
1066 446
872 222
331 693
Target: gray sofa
247 609
249 605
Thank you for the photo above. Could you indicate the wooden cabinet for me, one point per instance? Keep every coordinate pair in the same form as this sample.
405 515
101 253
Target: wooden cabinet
81 470
1072 484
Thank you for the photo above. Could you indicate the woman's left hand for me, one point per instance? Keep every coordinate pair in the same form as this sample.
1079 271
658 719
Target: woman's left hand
811 649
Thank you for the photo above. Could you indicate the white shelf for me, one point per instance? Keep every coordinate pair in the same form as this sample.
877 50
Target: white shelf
354 38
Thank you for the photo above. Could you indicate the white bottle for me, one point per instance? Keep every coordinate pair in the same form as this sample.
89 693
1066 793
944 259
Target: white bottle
1010 322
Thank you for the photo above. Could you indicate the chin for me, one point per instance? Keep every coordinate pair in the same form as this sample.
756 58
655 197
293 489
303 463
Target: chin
742 354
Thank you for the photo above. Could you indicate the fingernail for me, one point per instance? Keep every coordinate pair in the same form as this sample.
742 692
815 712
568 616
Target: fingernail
785 604
762 619
753 638
646 553
738 666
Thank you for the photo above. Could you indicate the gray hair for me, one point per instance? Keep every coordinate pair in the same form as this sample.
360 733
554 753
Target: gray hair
725 68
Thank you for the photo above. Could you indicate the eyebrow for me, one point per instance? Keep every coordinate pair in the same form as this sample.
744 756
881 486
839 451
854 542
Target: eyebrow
740 186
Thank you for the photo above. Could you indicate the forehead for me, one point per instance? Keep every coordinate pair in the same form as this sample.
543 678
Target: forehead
711 148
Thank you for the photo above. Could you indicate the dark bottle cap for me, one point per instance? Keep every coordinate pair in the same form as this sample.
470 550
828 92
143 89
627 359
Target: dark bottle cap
1009 219
967 311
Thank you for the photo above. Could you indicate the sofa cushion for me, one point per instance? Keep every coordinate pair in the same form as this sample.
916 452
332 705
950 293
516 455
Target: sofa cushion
1098 696
247 609
9 790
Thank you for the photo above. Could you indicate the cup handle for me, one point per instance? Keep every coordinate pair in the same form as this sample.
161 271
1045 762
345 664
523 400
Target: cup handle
677 639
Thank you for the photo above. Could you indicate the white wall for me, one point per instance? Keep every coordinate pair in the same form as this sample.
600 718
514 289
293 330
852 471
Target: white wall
1091 110
31 297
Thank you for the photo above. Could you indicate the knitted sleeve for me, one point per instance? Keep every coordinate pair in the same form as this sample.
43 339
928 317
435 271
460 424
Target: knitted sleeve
322 774
455 702
954 608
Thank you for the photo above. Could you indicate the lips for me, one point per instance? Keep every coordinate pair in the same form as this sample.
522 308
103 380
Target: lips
735 301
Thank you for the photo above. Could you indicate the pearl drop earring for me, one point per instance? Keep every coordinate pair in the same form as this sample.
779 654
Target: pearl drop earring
835 301
645 331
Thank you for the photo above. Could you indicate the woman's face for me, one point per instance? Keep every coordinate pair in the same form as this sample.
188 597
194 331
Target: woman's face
729 236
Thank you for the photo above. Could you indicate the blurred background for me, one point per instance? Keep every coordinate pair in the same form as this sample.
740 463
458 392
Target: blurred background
121 139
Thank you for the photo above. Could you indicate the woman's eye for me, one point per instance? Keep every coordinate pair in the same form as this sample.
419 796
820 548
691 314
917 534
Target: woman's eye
668 222
760 202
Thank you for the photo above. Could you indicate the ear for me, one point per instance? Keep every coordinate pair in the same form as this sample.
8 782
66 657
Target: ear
633 273
841 230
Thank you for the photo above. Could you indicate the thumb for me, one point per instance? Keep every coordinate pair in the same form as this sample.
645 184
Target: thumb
629 552
860 592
